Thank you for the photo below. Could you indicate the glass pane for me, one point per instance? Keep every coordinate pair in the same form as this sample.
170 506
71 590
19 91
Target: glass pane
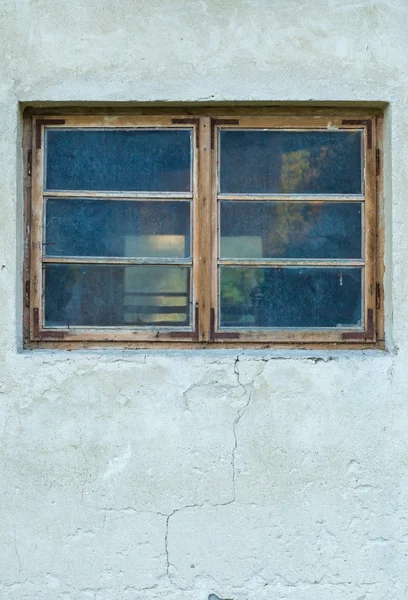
116 295
291 230
290 297
151 160
83 227
290 162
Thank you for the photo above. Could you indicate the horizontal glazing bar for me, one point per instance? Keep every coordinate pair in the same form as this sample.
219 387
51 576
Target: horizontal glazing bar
292 198
90 260
295 128
120 195
285 262
268 330
165 327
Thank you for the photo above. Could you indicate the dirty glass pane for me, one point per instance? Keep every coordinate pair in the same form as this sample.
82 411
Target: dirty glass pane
116 295
291 230
290 297
151 160
85 227
290 162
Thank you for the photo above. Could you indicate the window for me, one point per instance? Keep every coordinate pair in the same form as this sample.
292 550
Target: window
204 228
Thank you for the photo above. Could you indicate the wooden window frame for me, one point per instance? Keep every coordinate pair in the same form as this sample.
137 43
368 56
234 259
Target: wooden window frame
205 123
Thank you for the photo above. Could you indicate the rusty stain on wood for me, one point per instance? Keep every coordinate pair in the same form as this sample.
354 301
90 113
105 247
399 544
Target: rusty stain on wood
368 123
38 127
216 122
368 334
42 334
378 162
188 121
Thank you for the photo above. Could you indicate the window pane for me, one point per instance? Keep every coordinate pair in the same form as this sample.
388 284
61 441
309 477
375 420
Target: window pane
291 230
290 297
290 162
83 227
111 295
151 160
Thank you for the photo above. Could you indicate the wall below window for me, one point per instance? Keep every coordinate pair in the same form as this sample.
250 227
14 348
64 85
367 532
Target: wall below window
172 476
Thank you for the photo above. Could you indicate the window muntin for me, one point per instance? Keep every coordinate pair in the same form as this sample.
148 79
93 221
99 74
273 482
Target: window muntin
292 260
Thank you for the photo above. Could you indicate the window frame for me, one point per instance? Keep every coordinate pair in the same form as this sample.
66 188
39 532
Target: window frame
206 123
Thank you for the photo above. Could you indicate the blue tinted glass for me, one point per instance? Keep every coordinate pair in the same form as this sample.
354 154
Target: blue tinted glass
290 297
116 296
87 227
290 162
291 230
151 160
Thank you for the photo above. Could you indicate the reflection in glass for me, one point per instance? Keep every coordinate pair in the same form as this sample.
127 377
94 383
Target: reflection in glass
290 162
148 160
84 227
116 296
290 297
290 230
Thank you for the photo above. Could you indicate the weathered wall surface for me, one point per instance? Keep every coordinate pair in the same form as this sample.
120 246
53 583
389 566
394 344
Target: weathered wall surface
166 476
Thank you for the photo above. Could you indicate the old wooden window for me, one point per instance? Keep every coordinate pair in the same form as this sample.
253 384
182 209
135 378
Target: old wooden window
206 228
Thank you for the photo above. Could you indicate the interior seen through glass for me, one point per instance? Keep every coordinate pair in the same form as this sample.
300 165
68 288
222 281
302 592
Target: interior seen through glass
290 297
78 295
290 162
117 228
291 230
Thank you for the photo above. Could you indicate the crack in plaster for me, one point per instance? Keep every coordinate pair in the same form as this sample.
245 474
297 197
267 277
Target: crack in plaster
240 414
166 536
248 390
13 584
131 509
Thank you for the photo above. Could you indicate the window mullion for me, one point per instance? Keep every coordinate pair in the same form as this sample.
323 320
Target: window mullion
202 236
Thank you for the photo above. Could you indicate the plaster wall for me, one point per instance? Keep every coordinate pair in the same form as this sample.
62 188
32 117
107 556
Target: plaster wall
171 476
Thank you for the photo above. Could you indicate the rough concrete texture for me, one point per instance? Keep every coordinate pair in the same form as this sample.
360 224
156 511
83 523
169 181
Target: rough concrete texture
170 476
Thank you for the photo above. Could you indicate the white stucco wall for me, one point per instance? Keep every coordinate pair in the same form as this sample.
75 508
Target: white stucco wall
170 476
